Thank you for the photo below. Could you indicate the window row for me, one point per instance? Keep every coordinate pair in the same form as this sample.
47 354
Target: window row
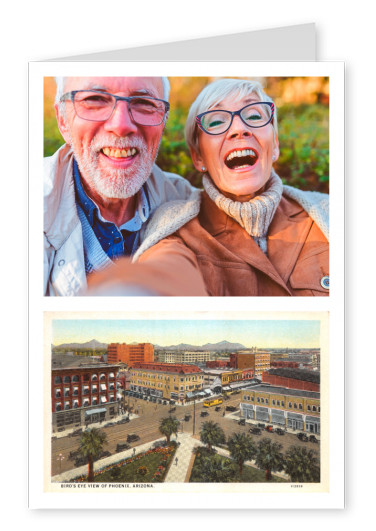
86 378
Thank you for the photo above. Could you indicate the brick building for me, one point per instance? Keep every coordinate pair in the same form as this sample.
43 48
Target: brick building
130 354
257 361
283 364
82 392
307 380
166 380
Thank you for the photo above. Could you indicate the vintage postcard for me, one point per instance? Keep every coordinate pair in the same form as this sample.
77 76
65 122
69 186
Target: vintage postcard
210 402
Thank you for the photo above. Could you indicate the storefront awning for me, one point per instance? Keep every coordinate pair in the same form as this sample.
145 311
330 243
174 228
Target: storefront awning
103 387
95 411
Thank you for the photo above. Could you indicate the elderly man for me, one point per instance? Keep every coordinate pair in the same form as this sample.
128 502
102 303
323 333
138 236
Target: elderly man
102 186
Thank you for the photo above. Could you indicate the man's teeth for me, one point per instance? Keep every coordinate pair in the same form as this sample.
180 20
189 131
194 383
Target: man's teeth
119 153
242 153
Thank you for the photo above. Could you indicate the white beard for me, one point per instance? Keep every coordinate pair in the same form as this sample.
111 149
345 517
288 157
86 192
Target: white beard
114 183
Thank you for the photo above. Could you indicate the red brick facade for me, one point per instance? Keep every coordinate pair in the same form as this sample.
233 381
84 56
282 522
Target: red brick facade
290 383
130 354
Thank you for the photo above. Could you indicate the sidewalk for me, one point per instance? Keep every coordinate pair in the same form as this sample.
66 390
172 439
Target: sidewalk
178 472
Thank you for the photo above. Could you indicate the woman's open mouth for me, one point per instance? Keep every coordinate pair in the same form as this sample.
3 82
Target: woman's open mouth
241 158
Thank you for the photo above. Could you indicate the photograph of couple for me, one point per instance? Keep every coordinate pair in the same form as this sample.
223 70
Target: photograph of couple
186 186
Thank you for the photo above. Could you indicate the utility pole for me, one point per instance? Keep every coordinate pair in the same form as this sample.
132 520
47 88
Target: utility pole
194 415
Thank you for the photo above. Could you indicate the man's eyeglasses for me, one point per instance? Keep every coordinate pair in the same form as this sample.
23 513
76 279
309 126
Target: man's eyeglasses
98 106
253 115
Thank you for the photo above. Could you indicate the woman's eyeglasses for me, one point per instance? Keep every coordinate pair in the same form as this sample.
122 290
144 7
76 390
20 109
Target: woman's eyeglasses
254 115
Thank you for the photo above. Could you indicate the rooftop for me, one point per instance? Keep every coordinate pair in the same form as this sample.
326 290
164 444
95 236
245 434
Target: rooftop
67 361
297 374
178 368
283 391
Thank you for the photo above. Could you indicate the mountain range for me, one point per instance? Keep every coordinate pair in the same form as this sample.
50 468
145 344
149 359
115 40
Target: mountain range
221 346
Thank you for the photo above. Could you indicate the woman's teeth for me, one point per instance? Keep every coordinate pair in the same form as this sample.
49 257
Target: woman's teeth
119 153
241 158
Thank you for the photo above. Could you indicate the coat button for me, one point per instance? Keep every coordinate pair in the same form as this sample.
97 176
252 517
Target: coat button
325 282
61 262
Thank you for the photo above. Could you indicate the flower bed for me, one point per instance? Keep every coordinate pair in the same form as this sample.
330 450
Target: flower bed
147 467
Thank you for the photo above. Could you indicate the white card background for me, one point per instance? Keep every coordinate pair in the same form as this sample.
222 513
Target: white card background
344 32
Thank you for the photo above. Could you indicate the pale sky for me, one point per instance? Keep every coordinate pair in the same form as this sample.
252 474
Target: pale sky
258 333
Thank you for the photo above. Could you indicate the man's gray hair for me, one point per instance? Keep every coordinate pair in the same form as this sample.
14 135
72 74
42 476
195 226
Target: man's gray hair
60 84
216 92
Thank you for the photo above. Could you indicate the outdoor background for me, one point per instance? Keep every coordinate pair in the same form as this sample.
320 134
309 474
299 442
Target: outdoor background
303 125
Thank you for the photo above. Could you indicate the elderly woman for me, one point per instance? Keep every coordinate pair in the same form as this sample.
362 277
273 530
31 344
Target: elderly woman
247 234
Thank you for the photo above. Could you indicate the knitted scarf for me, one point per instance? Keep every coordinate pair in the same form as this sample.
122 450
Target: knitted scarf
255 215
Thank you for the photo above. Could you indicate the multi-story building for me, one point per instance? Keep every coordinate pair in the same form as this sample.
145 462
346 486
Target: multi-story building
82 392
216 378
281 364
166 380
289 408
257 361
306 380
184 357
130 354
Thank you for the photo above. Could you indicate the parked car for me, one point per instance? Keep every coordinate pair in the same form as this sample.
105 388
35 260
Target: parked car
133 437
103 454
80 461
302 437
279 431
172 409
231 408
165 402
204 414
121 446
187 418
123 421
255 430
76 432
241 422
269 429
109 424
313 439
73 454
261 425
217 408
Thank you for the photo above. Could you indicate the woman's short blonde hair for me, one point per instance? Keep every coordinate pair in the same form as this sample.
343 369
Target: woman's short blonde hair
216 92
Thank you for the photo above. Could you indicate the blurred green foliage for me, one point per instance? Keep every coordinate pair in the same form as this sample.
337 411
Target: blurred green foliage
303 141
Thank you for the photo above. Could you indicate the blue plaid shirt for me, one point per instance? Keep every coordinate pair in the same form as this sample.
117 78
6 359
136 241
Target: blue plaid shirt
115 241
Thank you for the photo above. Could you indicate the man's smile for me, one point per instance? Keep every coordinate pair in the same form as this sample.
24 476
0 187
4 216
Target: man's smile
117 153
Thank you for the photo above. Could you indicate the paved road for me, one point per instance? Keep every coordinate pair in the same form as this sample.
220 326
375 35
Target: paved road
146 425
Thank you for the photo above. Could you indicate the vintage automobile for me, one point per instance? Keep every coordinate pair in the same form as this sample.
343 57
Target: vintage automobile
255 430
302 436
187 418
261 425
218 408
121 446
204 414
279 431
231 408
313 439
269 429
172 409
133 437
241 422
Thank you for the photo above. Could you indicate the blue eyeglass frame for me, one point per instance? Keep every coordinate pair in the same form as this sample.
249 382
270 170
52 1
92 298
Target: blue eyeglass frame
236 113
71 95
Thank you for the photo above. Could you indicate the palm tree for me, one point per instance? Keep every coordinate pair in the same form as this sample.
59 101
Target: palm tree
91 446
242 448
216 469
212 434
168 426
269 457
302 465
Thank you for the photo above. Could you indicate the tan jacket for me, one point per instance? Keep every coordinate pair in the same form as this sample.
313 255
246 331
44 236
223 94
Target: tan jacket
213 255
